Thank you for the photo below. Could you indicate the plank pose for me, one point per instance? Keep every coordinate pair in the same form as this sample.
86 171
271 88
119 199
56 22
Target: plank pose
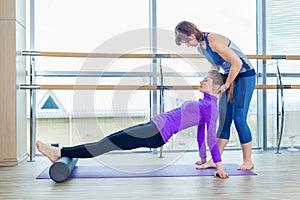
202 113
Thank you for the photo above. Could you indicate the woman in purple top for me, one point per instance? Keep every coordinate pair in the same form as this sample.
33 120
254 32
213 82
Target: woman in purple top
159 130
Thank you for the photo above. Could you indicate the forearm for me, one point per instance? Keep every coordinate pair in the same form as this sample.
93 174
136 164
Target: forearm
200 140
215 153
212 142
234 71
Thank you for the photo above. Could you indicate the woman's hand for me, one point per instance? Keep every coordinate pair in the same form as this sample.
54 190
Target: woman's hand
222 89
220 173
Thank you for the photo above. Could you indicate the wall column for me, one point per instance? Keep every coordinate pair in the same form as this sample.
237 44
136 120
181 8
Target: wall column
13 133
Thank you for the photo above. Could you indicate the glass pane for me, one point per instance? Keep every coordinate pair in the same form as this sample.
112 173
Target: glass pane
283 33
71 117
210 16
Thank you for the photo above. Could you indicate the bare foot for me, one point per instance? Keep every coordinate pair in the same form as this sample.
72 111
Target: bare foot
206 165
246 166
52 153
201 162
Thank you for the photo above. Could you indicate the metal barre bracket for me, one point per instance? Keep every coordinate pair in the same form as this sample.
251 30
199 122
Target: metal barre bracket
29 87
30 53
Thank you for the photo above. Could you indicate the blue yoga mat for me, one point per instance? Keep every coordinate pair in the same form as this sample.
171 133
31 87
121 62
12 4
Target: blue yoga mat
161 171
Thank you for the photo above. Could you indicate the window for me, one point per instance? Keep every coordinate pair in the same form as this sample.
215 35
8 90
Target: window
119 27
283 38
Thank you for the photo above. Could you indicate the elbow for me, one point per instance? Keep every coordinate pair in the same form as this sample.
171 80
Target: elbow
236 64
239 64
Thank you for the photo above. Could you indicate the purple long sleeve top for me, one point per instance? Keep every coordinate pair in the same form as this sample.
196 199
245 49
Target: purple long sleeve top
202 113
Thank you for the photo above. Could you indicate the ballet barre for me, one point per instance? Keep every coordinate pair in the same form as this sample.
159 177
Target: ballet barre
120 55
137 87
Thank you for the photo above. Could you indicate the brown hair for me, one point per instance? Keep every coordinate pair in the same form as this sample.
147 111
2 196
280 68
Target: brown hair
184 29
230 92
230 89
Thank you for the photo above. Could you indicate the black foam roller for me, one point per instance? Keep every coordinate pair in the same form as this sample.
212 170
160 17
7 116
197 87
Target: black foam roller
62 168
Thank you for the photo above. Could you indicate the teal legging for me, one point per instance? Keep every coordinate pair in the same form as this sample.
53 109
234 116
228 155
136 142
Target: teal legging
237 111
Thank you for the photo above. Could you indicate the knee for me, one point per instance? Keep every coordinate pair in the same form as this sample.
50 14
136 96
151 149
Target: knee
243 130
240 121
245 138
224 134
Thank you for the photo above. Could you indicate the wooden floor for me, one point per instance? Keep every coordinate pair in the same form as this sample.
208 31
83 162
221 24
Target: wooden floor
278 178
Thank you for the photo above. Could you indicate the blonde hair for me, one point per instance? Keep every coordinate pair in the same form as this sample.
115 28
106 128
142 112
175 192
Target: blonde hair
220 80
216 76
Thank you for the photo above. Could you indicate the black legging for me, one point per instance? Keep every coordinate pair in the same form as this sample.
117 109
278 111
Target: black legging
142 135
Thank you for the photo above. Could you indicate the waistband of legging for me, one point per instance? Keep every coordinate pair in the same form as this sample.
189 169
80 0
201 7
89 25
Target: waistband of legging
244 74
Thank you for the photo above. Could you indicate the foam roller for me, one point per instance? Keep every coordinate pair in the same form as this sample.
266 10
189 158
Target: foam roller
62 168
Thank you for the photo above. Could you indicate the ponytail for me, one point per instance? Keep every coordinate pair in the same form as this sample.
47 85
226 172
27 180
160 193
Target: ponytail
230 92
